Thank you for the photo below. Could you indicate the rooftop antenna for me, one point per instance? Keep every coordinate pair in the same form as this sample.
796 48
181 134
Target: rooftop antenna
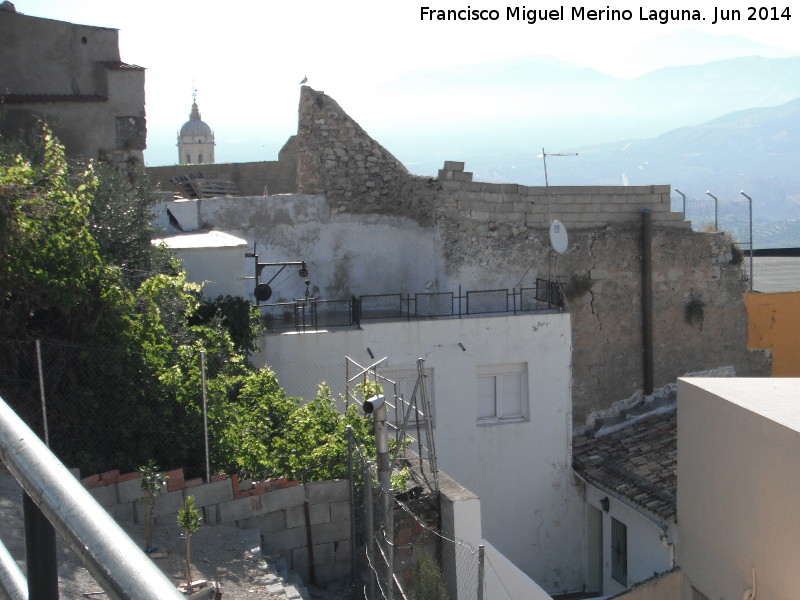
558 233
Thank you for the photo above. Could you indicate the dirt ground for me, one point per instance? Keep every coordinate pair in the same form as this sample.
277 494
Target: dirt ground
218 553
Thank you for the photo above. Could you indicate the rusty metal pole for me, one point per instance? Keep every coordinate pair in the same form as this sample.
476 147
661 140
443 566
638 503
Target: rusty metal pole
647 302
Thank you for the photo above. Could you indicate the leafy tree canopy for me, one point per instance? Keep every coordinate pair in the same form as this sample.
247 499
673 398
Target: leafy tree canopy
125 332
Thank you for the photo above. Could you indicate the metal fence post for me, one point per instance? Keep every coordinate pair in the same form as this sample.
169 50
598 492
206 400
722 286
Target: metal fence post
350 475
205 412
481 551
370 541
40 553
45 429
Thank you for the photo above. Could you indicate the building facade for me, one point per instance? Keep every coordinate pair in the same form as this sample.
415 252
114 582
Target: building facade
71 76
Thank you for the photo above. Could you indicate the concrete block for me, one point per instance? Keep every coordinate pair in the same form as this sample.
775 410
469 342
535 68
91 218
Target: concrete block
215 492
340 511
465 176
168 504
295 517
270 522
450 186
211 514
323 553
480 216
341 551
300 559
453 165
123 513
445 175
282 499
328 491
319 513
288 539
332 572
239 508
106 495
330 532
130 490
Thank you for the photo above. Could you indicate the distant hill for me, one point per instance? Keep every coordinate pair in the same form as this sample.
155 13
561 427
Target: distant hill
535 102
756 150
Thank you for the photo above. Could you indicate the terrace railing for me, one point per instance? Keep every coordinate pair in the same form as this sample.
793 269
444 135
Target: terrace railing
314 314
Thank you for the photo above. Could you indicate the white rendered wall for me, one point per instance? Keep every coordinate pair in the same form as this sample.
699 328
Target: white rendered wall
346 253
739 486
504 580
530 510
217 269
650 541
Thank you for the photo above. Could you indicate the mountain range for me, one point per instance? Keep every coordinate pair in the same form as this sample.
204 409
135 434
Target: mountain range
719 114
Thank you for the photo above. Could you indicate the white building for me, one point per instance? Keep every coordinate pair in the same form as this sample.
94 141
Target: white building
739 488
500 387
629 472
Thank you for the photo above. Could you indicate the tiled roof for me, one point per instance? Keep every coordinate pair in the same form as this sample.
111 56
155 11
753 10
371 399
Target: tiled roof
52 98
637 462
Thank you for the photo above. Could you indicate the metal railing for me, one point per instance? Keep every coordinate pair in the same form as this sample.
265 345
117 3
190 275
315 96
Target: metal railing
313 313
53 494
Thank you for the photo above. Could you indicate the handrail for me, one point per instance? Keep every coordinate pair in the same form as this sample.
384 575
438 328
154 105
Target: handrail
120 567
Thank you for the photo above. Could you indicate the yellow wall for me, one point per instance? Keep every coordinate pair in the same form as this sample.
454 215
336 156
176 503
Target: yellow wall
774 324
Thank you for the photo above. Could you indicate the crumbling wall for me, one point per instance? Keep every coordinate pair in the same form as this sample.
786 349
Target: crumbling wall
374 225
337 158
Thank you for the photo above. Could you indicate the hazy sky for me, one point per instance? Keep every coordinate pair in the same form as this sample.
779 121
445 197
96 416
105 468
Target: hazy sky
247 57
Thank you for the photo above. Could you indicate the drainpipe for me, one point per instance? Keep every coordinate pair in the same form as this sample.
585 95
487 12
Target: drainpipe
647 302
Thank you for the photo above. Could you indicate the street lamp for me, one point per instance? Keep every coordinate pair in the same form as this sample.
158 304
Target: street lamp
750 200
716 210
684 202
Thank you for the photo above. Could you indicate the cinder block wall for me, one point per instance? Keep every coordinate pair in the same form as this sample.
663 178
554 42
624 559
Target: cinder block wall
575 206
276 507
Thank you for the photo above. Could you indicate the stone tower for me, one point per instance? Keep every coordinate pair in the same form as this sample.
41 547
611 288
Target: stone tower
195 140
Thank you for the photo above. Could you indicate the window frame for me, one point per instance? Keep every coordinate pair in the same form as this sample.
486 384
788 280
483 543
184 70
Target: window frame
510 407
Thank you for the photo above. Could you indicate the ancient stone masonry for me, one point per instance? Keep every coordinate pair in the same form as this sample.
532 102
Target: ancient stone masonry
337 158
373 228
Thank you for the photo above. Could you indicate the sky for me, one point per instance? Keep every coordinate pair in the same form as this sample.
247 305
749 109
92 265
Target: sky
246 58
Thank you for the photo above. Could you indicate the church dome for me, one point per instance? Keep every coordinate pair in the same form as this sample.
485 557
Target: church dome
195 128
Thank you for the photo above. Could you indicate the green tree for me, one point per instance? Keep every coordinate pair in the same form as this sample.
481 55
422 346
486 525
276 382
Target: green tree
189 520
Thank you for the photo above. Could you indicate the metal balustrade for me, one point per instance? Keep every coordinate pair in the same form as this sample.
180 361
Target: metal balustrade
56 501
312 314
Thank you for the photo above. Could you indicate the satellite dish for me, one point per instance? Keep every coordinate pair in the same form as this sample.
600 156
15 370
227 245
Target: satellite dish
262 292
558 236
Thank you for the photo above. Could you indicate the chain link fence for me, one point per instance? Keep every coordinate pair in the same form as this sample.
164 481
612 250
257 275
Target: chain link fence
91 406
401 551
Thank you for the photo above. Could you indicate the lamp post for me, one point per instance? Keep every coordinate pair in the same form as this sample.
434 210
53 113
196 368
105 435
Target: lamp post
684 202
716 210
750 201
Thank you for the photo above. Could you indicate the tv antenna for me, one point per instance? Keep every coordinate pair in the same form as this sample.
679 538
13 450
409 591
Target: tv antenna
559 239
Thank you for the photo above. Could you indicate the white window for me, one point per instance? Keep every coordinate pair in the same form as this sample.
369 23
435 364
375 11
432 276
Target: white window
502 392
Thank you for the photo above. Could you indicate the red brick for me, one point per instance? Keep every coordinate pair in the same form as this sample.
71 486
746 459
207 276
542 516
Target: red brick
110 476
129 476
90 480
174 474
219 477
194 482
